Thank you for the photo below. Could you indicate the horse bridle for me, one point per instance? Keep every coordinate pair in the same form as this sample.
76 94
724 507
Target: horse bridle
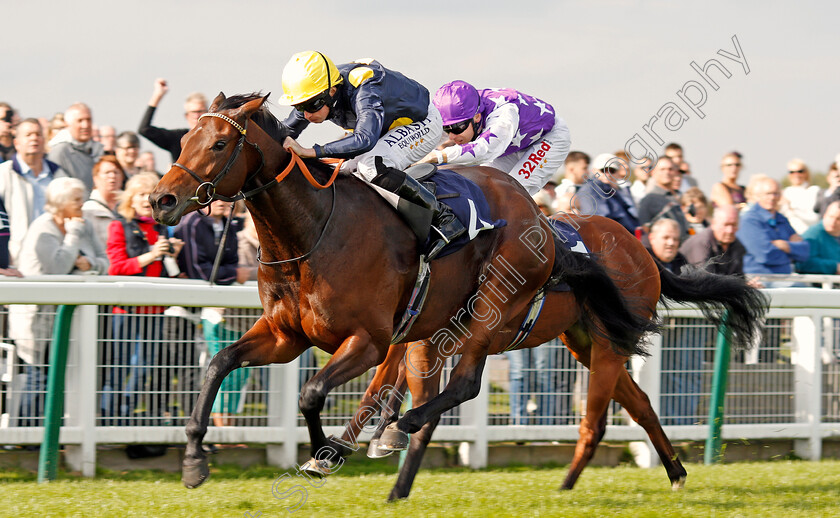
210 187
213 195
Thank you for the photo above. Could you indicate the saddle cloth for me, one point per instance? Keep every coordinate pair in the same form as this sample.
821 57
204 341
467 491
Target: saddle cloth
570 238
467 202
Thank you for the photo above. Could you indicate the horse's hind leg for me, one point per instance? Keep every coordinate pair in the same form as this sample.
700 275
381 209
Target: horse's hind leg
605 368
353 358
464 385
637 404
258 346
389 376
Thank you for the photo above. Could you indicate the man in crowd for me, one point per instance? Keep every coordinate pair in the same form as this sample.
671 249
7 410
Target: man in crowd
771 243
170 140
24 180
606 194
674 151
824 240
108 139
127 151
662 200
717 249
576 171
77 152
146 162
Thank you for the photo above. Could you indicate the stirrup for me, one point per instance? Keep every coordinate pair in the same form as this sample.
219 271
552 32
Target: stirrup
449 230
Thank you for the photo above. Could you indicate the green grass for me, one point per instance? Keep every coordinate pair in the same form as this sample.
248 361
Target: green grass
773 489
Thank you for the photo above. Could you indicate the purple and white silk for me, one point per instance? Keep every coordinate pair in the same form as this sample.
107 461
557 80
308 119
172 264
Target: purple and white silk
522 136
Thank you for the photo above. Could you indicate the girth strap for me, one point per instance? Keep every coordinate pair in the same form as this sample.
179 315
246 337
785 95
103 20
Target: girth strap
415 303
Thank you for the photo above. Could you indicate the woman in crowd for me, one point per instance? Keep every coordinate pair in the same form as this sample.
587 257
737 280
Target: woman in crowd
59 242
101 208
728 191
136 246
800 197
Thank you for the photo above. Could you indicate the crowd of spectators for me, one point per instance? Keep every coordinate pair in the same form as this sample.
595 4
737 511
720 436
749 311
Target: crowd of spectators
766 227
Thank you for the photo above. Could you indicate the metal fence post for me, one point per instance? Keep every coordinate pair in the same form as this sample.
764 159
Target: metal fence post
712 453
48 460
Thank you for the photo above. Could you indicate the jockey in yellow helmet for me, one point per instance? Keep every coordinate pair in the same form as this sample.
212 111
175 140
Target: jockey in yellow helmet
390 116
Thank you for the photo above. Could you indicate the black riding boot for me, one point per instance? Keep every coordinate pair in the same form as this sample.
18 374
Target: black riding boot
420 209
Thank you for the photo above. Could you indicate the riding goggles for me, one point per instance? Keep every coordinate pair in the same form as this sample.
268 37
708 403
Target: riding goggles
314 104
457 128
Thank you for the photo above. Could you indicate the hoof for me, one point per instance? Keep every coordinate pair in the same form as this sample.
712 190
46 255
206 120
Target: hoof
393 439
375 450
195 472
396 497
317 468
678 484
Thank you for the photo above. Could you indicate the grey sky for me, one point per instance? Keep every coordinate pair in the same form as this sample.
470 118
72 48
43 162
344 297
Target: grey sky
607 67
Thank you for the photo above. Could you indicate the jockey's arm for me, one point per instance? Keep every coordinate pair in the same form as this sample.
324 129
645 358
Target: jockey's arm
370 117
501 126
296 123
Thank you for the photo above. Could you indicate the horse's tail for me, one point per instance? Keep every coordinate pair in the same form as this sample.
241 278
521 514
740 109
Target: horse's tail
604 310
717 295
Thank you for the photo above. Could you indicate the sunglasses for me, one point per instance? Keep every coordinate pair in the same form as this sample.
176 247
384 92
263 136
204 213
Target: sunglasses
798 171
735 164
458 128
314 104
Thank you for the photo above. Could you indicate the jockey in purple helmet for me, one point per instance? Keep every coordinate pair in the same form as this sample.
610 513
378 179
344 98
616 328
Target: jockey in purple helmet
502 128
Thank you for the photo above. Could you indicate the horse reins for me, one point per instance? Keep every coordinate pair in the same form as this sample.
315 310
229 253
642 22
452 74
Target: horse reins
211 194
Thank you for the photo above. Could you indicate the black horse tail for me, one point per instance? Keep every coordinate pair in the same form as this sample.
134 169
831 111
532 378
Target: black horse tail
718 295
604 310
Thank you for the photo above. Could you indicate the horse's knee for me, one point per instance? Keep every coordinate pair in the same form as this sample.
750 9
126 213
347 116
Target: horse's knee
591 432
221 364
312 397
194 430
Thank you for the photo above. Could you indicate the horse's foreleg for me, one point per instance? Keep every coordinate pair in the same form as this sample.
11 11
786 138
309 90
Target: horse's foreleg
258 346
637 404
354 357
605 368
422 390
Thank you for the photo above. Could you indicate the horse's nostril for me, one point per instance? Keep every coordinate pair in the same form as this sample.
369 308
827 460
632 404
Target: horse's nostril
166 201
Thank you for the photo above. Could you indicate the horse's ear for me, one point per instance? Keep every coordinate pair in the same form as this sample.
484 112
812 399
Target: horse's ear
217 101
249 108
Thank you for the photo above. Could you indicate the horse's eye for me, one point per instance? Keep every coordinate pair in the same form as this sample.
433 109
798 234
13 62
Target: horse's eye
220 145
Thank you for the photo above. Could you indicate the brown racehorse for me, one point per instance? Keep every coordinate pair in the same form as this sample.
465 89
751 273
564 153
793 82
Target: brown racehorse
338 268
641 279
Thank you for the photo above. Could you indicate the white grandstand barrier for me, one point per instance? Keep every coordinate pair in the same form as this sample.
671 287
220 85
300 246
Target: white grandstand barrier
786 393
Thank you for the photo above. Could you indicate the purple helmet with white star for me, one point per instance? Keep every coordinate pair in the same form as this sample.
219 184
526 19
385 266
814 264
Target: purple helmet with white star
457 101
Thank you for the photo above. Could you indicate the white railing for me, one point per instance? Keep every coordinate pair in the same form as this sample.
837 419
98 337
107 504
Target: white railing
781 391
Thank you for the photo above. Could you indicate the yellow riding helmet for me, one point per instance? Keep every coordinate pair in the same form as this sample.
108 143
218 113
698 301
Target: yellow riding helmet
306 75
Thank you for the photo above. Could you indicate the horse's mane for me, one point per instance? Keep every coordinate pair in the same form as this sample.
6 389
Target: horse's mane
262 117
